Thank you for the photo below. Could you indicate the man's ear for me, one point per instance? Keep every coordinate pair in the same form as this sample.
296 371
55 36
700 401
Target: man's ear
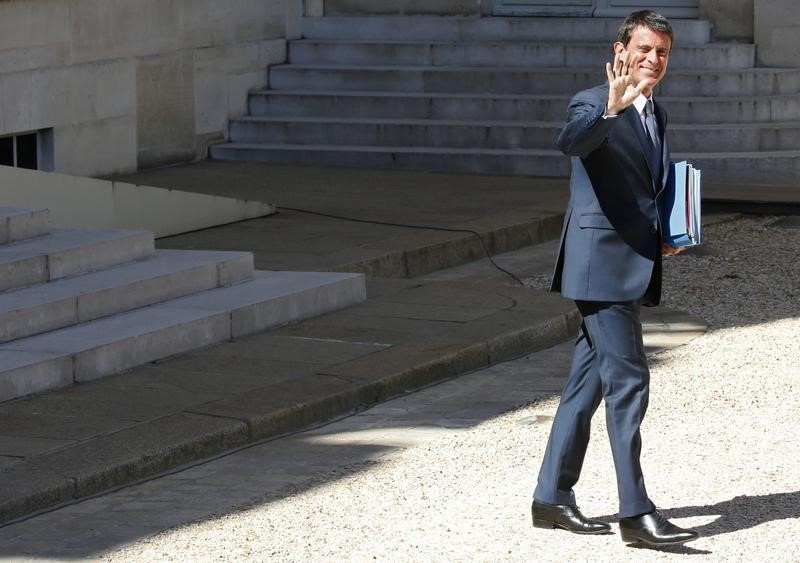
618 47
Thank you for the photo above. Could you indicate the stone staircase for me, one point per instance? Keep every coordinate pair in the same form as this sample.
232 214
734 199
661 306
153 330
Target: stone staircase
76 305
489 95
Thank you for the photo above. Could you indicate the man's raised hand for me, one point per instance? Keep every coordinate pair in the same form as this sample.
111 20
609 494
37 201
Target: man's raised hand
621 90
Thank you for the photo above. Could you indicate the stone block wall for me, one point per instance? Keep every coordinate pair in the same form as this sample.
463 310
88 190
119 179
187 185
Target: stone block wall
777 32
403 7
732 19
130 84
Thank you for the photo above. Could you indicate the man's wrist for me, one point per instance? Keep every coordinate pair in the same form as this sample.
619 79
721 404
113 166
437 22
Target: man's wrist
607 113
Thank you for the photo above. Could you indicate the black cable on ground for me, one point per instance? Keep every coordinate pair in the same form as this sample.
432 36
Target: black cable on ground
476 234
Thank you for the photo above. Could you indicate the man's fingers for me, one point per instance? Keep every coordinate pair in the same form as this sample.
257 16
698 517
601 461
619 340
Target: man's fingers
632 56
640 87
609 73
626 60
616 66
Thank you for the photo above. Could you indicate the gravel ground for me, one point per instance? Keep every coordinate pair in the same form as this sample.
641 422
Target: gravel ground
720 450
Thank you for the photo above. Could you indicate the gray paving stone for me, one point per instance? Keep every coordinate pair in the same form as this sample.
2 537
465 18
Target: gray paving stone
8 461
422 311
117 399
26 446
142 450
274 346
399 368
26 489
522 331
35 420
459 294
347 327
226 373
279 408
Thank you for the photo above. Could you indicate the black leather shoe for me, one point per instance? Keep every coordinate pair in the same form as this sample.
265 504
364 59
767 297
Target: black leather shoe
566 517
654 529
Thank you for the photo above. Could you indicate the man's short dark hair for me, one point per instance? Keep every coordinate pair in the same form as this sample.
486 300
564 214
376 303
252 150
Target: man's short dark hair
646 18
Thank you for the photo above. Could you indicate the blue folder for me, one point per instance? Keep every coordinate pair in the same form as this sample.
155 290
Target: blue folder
680 206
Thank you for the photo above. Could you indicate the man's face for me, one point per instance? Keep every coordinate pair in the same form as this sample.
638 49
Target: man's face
652 55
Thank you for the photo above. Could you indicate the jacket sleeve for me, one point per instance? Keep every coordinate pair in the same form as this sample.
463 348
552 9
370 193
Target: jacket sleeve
585 130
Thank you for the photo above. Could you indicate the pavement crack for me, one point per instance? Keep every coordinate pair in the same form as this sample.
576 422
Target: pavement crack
340 341
212 415
341 378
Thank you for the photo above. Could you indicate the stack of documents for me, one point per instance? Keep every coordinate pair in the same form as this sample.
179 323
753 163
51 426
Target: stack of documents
680 206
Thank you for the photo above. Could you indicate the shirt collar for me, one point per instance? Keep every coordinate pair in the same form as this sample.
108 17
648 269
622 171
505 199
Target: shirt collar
640 102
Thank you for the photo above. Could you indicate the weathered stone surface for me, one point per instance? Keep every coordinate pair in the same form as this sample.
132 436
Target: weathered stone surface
776 32
402 7
116 80
165 109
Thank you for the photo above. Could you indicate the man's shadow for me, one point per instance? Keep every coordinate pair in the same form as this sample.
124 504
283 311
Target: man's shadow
739 513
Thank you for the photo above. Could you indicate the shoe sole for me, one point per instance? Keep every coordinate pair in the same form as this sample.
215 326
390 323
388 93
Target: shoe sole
554 526
633 540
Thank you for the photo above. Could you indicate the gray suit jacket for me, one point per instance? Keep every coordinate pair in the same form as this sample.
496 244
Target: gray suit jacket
611 242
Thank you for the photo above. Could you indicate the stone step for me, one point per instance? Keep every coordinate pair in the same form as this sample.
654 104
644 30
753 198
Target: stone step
780 168
69 252
519 107
113 344
505 54
735 138
732 109
493 134
393 132
19 224
169 274
485 161
747 82
418 28
776 167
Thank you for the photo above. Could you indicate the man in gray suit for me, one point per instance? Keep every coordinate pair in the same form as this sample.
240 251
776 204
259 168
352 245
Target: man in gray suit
610 264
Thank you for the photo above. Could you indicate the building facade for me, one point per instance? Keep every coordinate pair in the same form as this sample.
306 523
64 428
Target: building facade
102 87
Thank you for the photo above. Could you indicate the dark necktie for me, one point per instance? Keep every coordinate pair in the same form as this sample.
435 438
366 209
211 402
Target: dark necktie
653 137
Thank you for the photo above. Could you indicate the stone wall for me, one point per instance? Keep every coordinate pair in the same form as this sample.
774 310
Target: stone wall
402 7
777 32
732 19
128 84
